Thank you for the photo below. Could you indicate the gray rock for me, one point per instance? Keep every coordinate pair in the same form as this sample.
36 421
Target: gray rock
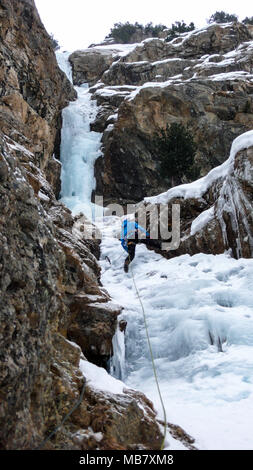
88 65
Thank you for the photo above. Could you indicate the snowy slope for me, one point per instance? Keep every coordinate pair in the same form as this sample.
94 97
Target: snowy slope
200 317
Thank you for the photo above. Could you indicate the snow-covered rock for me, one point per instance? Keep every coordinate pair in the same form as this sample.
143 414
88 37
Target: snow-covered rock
88 65
216 210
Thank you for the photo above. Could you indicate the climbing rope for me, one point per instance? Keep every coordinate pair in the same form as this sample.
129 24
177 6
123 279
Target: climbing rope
80 399
152 358
117 259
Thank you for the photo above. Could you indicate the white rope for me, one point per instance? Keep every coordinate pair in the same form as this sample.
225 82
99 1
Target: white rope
152 359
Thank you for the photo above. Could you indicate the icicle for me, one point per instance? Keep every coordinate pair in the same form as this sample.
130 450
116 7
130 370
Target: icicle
117 365
64 64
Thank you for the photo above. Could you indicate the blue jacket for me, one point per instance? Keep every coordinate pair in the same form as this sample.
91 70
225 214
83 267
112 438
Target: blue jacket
128 232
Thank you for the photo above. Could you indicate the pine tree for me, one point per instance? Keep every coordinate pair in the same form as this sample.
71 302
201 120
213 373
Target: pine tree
179 27
248 20
123 32
222 17
176 148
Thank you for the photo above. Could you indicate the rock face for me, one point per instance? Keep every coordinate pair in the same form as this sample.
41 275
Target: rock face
50 289
202 79
32 88
50 292
213 39
233 209
90 64
215 112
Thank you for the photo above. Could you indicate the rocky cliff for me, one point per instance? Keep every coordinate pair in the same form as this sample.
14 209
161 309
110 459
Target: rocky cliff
53 310
202 79
33 90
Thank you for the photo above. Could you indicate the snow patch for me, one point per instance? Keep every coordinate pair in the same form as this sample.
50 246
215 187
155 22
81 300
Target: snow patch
202 220
99 379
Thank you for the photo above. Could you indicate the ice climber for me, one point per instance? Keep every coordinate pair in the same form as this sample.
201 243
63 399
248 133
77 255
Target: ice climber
131 234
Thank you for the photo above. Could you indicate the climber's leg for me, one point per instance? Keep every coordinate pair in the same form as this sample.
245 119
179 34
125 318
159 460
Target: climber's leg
131 246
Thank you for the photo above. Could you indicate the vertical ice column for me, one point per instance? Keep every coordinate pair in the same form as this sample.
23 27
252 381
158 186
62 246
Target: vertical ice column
117 365
80 147
64 64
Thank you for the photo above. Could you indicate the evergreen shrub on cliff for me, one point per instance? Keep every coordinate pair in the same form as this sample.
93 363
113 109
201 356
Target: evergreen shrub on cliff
179 27
176 148
124 32
248 20
222 17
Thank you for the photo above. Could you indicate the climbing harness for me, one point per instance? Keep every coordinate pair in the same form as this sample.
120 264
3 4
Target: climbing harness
80 399
152 358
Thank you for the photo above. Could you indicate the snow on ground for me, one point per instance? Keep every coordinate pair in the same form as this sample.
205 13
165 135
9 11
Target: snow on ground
99 379
200 316
109 91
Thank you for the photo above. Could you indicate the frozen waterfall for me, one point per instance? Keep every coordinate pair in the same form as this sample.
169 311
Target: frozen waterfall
64 64
80 147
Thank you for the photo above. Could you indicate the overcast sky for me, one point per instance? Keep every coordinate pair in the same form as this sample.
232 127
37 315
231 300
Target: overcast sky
78 23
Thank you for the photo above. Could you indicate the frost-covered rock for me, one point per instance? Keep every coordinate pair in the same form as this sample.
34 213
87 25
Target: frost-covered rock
212 39
88 65
205 48
126 417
